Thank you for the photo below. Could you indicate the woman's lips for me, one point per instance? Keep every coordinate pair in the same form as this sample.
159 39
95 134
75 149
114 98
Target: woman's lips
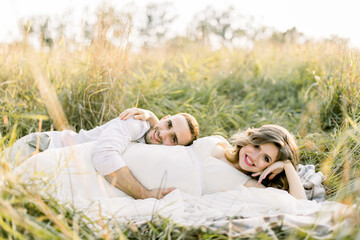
248 161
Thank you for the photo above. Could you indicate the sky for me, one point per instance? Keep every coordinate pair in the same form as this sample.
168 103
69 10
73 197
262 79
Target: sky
314 18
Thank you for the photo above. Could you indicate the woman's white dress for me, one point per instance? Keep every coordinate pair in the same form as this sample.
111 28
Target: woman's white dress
216 175
209 190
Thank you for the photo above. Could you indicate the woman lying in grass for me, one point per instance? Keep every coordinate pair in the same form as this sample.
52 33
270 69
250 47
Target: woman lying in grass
266 156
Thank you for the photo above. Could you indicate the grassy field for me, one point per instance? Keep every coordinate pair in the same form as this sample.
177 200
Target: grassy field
312 88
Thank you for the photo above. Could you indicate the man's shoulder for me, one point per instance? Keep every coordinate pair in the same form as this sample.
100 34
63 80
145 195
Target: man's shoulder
138 128
118 128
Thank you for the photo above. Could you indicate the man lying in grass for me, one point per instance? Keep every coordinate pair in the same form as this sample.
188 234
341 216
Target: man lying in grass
112 140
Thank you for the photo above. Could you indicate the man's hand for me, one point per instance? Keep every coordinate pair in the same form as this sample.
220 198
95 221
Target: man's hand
159 193
126 182
139 114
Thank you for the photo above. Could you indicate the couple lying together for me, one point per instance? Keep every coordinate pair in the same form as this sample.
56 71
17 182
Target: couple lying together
261 157
125 170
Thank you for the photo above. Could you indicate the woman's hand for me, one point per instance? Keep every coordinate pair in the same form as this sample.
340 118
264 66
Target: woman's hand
273 169
139 114
296 188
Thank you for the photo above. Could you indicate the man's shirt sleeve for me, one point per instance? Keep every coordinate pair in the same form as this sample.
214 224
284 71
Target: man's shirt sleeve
113 141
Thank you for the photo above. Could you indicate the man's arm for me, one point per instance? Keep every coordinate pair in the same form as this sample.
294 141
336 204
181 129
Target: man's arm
113 141
126 182
108 161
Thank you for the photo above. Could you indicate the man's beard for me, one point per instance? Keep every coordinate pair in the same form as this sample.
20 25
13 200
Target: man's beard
149 136
146 137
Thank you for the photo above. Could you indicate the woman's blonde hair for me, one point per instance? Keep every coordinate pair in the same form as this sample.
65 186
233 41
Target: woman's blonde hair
270 133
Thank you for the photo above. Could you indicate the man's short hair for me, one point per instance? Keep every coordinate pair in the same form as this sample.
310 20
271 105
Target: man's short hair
193 125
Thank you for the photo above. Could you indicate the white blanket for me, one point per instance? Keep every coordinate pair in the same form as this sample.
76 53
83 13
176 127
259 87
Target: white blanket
71 178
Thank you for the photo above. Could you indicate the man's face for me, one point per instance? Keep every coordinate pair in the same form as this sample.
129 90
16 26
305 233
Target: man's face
173 130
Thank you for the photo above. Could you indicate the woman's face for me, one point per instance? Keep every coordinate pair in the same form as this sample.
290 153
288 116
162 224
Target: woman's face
255 158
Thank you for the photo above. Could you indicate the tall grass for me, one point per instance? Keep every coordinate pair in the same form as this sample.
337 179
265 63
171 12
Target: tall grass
310 88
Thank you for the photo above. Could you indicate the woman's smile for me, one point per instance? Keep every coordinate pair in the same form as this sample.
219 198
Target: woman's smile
248 161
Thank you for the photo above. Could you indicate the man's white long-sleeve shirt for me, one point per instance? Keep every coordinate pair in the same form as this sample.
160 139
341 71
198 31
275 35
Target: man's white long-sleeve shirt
113 141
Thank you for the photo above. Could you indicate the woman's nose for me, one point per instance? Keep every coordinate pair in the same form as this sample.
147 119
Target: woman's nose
255 156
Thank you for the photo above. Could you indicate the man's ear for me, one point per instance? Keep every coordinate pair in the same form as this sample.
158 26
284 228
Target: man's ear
165 117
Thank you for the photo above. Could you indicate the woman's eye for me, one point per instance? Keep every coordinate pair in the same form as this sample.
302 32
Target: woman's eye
256 146
169 124
267 159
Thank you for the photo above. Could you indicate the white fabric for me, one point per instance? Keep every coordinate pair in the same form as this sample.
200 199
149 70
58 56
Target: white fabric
67 138
214 169
113 138
113 141
311 181
71 178
163 166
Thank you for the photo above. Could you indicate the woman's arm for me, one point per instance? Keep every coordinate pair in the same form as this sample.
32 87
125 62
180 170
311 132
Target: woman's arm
296 188
139 114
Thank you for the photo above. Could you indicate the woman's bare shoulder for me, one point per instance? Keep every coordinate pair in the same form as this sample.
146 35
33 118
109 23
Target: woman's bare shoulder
218 151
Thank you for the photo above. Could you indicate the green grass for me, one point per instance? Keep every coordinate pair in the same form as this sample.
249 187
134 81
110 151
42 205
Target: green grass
313 89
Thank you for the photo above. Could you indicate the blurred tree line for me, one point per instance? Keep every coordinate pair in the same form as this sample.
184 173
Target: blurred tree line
153 26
